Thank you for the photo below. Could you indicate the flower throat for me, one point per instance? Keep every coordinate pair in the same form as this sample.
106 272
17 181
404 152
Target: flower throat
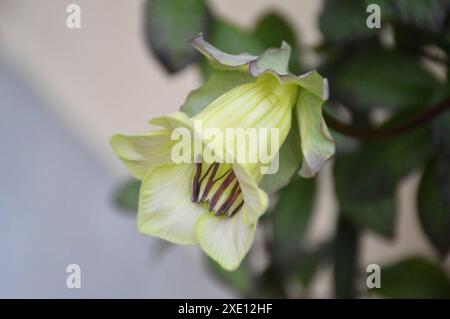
216 185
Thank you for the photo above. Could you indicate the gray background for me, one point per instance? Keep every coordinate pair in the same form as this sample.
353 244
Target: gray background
55 209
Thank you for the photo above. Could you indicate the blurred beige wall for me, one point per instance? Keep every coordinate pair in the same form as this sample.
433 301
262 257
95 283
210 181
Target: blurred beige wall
101 80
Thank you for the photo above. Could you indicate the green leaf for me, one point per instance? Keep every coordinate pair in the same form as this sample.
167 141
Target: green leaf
382 78
445 44
410 39
429 15
344 20
291 215
440 134
169 25
290 157
344 143
416 23
345 258
365 181
434 204
269 284
414 278
307 268
434 190
127 195
309 261
217 84
272 29
425 14
387 8
234 40
239 279
401 155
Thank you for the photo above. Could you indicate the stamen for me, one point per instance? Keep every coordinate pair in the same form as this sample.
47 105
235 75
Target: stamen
196 182
236 209
221 189
210 182
204 184
223 175
208 170
230 200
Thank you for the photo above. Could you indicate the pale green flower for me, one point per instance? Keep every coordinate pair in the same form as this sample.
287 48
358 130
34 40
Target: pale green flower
217 205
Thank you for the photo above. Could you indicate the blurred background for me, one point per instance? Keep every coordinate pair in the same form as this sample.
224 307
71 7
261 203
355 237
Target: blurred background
64 92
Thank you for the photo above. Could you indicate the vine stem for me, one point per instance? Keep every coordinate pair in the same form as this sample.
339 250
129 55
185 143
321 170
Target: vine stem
387 132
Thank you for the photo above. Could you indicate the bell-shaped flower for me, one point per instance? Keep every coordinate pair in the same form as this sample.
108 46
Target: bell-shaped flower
200 188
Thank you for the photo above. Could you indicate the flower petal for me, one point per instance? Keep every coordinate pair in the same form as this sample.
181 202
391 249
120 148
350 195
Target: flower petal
256 201
142 152
217 56
317 143
172 121
273 59
165 206
226 240
217 84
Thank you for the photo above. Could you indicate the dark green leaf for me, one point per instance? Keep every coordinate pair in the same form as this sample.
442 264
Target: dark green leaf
365 181
170 25
234 40
434 190
345 259
239 279
401 155
127 195
344 20
344 143
307 268
308 263
291 215
271 30
441 135
387 8
425 14
381 78
410 38
414 278
269 285
441 145
365 193
434 204
444 43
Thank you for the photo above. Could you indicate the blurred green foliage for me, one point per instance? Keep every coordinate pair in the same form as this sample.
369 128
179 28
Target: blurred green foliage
345 258
403 81
270 29
127 195
169 25
240 280
291 216
414 277
367 74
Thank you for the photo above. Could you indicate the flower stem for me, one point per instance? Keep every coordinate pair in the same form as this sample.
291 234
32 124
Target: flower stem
387 132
